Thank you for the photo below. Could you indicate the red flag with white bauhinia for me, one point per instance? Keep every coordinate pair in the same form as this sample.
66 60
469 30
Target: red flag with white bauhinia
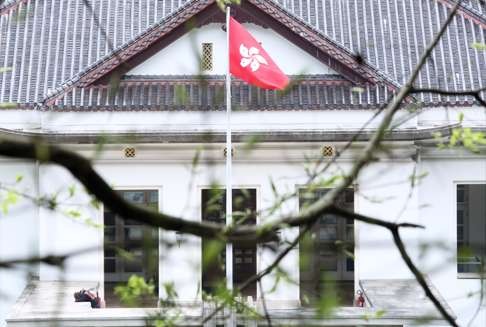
250 62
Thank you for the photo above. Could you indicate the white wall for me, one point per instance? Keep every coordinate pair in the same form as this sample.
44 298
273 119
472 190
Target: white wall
382 191
437 198
182 56
172 177
18 232
61 233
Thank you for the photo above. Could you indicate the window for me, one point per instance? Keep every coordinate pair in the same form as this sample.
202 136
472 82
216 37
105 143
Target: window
326 252
131 248
207 57
471 227
244 255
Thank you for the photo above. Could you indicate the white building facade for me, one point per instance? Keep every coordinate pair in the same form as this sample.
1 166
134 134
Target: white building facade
60 68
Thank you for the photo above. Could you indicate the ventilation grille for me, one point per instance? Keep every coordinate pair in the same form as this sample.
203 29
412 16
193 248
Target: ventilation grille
207 57
328 151
225 152
129 152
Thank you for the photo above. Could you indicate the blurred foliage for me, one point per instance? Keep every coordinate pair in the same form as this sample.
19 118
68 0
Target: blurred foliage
479 46
135 291
8 105
329 298
170 294
77 215
231 299
462 136
181 95
9 195
223 3
376 315
22 14
417 178
7 199
212 253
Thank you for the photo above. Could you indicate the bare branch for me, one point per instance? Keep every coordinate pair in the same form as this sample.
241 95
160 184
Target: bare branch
370 220
320 206
264 305
473 93
82 169
420 277
264 272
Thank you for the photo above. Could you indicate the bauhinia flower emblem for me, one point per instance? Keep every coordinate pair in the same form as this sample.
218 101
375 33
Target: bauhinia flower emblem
251 57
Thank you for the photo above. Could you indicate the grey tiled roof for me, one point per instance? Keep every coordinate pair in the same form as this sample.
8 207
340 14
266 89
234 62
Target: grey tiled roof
169 93
45 43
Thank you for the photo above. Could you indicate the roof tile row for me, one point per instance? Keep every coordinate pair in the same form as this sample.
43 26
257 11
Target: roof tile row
45 43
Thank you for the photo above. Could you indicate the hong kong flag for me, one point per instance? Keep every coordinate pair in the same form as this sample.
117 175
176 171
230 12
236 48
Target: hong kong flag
250 62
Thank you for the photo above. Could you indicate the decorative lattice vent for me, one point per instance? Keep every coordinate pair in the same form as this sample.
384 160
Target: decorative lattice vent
328 151
225 152
207 57
129 152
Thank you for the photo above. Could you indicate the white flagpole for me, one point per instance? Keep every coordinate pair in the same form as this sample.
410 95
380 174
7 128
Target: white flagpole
229 198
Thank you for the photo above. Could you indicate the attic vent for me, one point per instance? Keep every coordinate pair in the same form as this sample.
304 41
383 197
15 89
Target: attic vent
207 57
328 151
129 152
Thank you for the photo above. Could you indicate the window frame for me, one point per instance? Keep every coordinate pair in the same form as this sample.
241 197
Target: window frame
355 188
101 210
257 188
463 275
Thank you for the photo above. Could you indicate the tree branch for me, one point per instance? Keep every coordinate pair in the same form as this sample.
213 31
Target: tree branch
420 277
370 220
264 272
82 169
473 93
321 206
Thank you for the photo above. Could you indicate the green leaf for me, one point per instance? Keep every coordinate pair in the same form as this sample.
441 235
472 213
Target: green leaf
92 223
357 89
95 203
71 190
211 253
469 139
10 198
251 142
170 294
18 178
479 46
181 94
329 299
75 214
135 291
460 118
8 105
196 158
380 313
